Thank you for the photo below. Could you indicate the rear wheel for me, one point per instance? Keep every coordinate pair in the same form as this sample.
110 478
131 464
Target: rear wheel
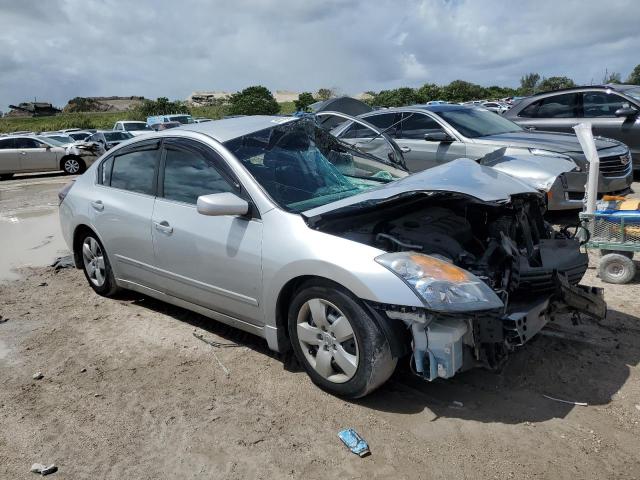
96 266
615 268
73 165
337 342
6 176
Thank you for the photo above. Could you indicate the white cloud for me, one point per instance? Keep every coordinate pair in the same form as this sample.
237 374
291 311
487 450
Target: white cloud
59 49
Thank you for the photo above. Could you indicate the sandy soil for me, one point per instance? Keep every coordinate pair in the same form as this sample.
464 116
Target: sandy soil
129 392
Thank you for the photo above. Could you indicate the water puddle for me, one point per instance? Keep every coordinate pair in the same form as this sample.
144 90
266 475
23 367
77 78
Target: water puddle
30 238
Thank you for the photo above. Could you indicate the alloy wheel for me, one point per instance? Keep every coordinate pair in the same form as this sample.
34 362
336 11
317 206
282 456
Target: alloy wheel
71 165
93 259
327 340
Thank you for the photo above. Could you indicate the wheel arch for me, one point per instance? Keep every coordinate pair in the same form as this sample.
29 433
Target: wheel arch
83 164
78 234
391 329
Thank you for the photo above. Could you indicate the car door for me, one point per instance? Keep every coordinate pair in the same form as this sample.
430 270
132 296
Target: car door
367 140
420 153
35 156
9 161
599 109
556 113
214 262
120 209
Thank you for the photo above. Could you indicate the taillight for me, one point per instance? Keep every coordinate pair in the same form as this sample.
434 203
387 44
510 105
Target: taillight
63 192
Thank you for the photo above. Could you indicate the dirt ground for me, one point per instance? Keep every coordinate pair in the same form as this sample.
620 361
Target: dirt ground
129 392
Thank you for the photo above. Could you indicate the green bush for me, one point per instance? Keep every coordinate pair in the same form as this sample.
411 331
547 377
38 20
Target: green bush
256 100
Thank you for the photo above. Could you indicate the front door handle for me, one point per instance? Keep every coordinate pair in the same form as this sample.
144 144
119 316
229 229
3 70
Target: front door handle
163 227
98 205
405 149
23 153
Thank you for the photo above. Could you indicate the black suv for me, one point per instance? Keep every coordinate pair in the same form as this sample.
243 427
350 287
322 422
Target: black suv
612 110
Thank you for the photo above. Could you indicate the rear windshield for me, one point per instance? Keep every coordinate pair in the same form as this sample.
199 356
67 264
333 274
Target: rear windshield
136 126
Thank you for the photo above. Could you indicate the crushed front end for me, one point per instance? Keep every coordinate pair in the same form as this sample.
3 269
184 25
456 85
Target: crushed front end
491 275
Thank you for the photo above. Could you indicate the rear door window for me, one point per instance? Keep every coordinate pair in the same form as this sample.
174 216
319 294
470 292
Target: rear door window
602 104
135 171
559 106
7 143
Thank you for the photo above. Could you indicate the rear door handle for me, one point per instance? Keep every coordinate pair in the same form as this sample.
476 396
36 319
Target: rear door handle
23 153
163 227
98 205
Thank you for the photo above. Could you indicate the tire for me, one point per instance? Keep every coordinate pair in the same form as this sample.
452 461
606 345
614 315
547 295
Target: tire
347 359
616 268
73 165
624 253
96 266
6 176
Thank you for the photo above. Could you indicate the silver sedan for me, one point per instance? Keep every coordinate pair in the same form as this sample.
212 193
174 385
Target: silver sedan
276 227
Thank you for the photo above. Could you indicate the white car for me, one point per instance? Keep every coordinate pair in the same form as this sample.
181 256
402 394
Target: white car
23 154
135 128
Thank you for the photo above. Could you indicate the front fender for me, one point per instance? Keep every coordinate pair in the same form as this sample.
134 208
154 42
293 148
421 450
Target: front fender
303 252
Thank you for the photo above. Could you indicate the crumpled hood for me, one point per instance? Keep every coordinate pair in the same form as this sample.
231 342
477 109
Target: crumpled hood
460 176
537 170
552 141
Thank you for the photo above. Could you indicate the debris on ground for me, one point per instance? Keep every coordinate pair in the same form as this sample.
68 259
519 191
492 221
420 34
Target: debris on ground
199 336
3 320
38 376
63 262
43 284
457 404
580 404
83 370
43 469
354 442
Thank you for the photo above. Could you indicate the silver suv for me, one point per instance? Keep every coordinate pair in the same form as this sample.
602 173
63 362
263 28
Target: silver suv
430 135
612 111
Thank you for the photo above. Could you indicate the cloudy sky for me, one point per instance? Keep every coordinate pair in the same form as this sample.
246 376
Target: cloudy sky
58 49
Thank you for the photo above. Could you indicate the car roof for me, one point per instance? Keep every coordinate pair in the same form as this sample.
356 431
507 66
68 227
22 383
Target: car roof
230 128
130 121
432 108
610 86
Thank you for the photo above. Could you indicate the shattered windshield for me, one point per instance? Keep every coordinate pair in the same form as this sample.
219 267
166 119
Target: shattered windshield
301 166
478 122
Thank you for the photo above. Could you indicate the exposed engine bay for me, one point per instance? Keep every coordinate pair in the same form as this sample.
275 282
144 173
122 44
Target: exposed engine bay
507 245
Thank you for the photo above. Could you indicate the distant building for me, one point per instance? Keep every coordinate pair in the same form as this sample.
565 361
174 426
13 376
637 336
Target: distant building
102 104
207 99
32 109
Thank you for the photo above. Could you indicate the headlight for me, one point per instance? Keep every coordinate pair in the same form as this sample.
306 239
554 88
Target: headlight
441 285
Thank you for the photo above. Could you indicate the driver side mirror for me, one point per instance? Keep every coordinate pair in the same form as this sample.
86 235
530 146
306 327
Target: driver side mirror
220 204
626 112
438 137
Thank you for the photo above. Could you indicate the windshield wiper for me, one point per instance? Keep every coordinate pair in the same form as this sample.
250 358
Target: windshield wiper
383 132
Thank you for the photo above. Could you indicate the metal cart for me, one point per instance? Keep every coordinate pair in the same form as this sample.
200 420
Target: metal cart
617 236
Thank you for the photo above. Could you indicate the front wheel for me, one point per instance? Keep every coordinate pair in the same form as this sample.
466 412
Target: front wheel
73 166
96 266
337 342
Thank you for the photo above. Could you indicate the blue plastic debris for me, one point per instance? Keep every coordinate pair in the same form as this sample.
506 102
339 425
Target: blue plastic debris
354 442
